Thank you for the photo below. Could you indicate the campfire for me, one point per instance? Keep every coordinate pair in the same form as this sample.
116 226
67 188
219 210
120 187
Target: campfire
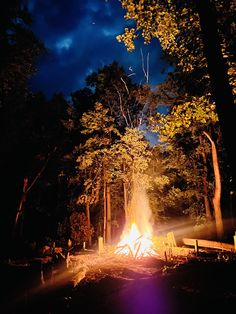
135 244
136 239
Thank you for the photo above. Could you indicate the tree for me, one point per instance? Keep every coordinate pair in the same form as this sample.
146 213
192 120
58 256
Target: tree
25 190
82 101
49 143
193 118
131 158
19 50
217 195
79 230
119 104
178 26
128 103
94 161
220 84
175 189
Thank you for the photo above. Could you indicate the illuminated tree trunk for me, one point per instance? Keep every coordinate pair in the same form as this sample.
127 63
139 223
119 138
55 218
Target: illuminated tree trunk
205 189
107 213
217 194
221 89
20 209
206 198
104 213
125 200
89 199
108 190
88 221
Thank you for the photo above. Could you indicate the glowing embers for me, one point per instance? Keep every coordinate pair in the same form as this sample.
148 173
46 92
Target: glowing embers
135 244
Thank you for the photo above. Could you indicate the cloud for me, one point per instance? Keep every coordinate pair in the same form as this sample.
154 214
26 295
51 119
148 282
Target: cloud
81 37
64 44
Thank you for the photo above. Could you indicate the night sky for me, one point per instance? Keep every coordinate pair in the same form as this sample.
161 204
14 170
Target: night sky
80 36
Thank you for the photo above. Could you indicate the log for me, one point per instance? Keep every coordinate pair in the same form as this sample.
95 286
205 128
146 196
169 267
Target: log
209 244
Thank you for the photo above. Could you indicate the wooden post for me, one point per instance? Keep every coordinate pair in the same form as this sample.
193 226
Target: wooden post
68 260
235 241
166 257
100 244
196 246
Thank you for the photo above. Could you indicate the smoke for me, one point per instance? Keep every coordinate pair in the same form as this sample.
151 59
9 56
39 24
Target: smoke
139 211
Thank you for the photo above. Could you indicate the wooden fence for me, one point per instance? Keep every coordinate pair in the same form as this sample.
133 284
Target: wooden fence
210 244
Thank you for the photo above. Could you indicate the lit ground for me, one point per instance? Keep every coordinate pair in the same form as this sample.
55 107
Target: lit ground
108 284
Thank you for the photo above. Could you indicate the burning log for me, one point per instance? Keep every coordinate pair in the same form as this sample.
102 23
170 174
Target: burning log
138 247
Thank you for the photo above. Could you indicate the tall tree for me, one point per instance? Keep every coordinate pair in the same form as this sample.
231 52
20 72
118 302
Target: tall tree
19 50
128 102
45 200
218 72
195 118
131 158
94 161
119 104
178 27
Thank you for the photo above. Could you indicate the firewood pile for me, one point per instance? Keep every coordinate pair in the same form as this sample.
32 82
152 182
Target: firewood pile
136 249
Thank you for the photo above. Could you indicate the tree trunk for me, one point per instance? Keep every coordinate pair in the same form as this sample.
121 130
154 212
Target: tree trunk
26 189
125 200
217 194
88 221
221 89
104 212
205 189
206 199
20 209
108 213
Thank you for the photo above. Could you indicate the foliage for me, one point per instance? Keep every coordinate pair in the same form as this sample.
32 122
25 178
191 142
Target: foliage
181 130
170 23
79 229
19 48
99 131
19 51
176 25
131 157
176 182
98 121
191 116
109 157
95 151
128 103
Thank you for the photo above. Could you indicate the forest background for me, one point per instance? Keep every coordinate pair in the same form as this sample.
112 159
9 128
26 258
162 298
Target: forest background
68 166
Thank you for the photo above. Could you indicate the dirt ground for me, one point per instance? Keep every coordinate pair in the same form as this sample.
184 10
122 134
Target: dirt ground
98 284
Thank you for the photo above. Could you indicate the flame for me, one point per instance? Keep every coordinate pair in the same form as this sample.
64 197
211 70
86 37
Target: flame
135 244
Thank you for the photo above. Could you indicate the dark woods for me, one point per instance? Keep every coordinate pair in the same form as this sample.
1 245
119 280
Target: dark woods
66 164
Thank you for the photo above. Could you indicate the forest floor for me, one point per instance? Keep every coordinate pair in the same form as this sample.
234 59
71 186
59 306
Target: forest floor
122 285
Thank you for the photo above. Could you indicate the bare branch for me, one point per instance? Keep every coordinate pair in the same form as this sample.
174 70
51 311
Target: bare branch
145 71
41 171
126 87
121 107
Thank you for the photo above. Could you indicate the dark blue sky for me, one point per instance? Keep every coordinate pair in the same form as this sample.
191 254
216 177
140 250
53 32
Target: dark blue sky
80 36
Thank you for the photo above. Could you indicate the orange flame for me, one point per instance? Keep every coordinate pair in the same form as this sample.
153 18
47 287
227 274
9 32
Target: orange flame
135 244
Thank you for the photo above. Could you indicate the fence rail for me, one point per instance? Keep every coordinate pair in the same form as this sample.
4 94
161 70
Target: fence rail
209 244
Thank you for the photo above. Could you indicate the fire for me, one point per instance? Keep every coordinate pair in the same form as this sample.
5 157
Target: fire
135 244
